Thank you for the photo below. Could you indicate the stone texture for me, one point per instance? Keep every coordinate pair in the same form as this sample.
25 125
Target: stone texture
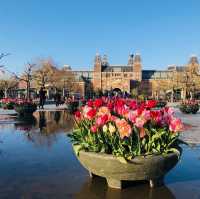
150 168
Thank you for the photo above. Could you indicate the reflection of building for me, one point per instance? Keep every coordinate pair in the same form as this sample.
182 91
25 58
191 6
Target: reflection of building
127 77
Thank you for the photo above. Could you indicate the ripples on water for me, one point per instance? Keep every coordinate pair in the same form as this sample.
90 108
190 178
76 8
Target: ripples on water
36 161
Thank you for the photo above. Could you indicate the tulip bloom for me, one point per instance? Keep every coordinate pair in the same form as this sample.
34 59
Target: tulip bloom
150 104
77 115
97 103
94 129
175 125
90 103
111 128
123 127
101 120
139 122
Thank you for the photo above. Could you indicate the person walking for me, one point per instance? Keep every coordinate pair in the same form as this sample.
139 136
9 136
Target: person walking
42 96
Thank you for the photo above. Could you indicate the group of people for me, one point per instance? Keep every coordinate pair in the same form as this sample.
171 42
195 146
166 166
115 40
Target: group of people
42 98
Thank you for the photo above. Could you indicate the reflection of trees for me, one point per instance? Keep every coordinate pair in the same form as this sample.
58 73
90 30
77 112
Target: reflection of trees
55 121
47 125
97 188
25 123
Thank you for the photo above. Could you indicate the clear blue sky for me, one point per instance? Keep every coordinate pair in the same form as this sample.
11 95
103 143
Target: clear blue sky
72 31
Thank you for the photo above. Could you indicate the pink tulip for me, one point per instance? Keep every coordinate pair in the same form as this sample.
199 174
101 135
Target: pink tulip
139 122
175 125
94 129
101 120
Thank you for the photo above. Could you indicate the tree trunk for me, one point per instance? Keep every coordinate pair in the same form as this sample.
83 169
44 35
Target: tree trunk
63 92
28 90
172 96
5 92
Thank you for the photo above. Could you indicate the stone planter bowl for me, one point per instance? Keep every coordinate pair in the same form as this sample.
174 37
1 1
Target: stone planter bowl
151 168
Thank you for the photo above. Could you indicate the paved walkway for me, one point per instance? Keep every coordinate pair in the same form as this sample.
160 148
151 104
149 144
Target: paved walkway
48 107
192 133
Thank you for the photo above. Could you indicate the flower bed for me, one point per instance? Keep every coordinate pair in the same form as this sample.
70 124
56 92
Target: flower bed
7 103
189 106
25 107
72 105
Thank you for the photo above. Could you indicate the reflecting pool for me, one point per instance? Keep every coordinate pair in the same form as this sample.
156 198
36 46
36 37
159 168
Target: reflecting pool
37 161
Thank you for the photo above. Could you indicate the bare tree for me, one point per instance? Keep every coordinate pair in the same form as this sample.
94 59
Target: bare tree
47 74
8 84
4 55
27 77
44 72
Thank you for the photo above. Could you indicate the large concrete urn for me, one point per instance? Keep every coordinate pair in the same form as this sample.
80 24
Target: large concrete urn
151 168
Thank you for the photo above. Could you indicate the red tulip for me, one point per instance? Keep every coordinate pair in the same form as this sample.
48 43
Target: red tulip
77 115
101 120
150 104
98 102
91 114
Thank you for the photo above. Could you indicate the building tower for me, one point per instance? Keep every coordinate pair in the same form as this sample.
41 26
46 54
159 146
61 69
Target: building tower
137 67
193 64
131 60
104 63
97 72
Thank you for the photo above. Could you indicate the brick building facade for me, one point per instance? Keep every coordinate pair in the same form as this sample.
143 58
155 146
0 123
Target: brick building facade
105 76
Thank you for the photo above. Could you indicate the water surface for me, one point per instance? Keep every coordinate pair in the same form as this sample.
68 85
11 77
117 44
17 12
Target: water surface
37 161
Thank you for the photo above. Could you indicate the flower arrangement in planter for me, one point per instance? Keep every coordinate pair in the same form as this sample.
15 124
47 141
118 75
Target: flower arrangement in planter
7 103
25 107
189 106
121 139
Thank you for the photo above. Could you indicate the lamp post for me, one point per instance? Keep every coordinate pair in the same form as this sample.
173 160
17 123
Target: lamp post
64 87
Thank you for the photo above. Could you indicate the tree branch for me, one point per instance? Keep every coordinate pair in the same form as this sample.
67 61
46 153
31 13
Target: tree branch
4 55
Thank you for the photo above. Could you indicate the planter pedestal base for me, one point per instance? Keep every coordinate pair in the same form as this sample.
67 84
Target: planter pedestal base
92 175
117 184
156 182
113 183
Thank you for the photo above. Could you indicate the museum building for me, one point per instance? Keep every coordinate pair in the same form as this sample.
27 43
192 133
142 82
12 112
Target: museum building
106 76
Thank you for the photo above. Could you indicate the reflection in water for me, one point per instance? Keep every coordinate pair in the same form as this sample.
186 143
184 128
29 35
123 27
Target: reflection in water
96 188
42 120
25 123
28 170
57 116
42 128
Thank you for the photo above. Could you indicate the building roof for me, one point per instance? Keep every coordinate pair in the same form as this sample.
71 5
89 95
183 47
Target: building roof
177 68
